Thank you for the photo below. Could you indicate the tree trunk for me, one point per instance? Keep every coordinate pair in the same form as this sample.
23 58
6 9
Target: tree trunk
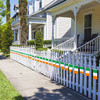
23 21
8 10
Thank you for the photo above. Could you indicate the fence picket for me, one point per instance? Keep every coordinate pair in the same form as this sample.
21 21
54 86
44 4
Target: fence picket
77 58
85 77
90 65
73 72
99 82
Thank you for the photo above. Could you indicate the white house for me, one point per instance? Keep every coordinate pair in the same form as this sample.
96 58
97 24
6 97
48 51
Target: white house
39 19
15 25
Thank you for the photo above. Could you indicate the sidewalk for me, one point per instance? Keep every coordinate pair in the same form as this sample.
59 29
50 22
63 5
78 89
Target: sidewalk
34 86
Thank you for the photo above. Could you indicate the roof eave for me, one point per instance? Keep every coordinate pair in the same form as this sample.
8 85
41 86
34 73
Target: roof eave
49 9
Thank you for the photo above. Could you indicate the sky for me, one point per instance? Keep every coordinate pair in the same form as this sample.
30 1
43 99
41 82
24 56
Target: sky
12 2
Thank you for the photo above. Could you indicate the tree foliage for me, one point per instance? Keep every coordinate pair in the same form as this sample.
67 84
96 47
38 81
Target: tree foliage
23 21
39 40
6 37
6 33
2 11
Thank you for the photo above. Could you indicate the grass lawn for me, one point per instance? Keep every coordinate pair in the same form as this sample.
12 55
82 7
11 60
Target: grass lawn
7 91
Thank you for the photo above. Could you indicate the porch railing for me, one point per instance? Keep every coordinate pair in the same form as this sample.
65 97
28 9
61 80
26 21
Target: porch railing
91 47
60 40
66 46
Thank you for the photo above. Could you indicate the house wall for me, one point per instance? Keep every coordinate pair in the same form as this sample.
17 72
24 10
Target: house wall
36 5
30 9
63 27
46 2
48 26
95 21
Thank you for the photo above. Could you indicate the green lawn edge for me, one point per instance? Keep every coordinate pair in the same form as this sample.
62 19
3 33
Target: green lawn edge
7 91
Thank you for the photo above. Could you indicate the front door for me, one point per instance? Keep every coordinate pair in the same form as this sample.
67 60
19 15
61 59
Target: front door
87 27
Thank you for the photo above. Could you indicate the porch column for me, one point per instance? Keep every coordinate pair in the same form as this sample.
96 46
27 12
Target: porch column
53 21
75 11
18 35
14 35
30 31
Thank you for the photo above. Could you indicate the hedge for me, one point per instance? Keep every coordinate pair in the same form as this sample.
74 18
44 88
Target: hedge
47 42
31 42
42 49
16 45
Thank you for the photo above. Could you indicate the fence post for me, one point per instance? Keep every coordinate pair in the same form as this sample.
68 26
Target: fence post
94 81
77 58
67 71
85 77
64 70
73 72
90 66
99 82
81 75
70 74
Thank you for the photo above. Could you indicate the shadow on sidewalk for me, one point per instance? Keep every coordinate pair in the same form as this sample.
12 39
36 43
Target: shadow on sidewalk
2 57
56 94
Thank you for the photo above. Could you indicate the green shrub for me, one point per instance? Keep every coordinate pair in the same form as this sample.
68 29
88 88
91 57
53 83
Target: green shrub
16 45
39 40
31 42
42 49
47 42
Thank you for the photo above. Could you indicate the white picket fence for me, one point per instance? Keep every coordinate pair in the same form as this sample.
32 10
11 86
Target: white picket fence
76 71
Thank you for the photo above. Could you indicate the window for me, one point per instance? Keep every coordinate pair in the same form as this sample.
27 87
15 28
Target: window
40 4
33 5
87 27
16 36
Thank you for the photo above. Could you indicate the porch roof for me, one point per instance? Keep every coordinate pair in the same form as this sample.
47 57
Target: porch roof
36 20
67 5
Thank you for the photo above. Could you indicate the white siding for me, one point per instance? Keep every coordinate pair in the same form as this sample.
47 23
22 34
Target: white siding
36 5
63 26
46 2
30 9
49 26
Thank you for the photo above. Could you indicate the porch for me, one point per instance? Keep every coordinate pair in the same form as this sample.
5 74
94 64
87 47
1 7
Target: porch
85 20
35 24
33 28
16 36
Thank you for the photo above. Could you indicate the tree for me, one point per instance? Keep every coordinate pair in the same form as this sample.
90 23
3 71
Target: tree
8 10
39 40
2 11
6 33
23 21
6 37
2 14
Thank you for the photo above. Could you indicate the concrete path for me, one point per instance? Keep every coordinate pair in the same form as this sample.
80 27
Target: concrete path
34 86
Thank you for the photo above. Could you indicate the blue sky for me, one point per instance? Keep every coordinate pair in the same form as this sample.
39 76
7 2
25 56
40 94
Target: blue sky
12 2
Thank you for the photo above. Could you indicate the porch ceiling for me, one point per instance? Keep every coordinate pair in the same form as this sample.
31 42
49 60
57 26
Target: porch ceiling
84 7
36 25
66 14
89 5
